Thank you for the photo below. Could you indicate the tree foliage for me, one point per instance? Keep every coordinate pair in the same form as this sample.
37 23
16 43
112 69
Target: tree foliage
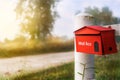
36 17
102 16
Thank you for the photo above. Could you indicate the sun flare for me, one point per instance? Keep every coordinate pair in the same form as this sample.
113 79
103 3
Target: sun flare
8 24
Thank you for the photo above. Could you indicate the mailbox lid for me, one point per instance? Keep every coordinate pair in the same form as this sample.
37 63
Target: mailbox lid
89 44
92 30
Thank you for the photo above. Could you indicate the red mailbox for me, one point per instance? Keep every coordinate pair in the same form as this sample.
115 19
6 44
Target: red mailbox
95 40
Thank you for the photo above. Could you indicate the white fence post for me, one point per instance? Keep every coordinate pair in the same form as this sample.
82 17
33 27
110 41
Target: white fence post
84 63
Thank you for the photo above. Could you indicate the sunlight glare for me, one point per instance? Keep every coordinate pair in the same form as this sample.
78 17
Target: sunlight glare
8 25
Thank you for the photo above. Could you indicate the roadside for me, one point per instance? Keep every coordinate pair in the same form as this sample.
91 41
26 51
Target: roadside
34 62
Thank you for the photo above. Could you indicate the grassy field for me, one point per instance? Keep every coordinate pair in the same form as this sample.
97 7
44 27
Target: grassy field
106 68
33 47
63 72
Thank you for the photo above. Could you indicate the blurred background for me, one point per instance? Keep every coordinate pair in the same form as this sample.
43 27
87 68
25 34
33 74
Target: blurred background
35 23
27 26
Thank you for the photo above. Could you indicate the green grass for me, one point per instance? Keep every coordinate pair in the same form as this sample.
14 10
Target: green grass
63 72
106 68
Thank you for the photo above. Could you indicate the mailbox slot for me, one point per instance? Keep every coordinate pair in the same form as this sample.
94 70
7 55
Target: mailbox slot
96 46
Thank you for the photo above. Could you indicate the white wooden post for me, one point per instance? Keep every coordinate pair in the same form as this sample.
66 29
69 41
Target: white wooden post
84 63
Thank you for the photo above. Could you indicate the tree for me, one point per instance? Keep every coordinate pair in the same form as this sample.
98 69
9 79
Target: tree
102 16
36 17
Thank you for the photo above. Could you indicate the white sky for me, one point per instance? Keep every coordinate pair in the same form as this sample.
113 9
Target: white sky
63 26
8 24
67 9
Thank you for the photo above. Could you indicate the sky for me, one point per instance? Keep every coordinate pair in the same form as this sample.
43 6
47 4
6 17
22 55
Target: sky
8 25
64 25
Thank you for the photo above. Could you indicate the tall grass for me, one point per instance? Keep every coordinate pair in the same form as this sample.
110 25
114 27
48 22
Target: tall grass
32 47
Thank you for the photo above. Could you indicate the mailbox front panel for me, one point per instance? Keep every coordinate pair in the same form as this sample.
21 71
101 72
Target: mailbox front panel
89 44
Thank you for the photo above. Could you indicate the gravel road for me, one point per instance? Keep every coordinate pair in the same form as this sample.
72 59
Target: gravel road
17 64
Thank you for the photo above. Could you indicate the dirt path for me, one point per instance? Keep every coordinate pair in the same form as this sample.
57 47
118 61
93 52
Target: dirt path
17 64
